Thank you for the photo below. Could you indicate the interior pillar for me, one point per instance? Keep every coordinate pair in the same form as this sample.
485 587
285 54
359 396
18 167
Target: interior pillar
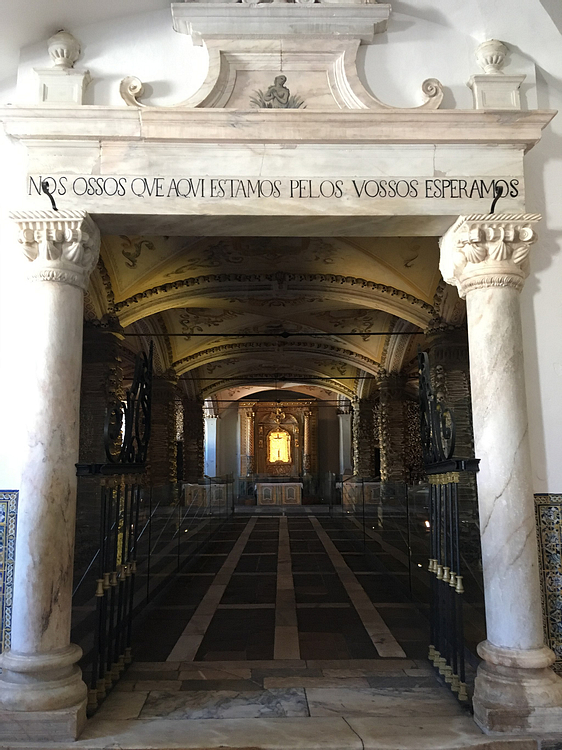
162 445
344 419
487 258
42 695
193 440
364 438
392 438
247 448
307 452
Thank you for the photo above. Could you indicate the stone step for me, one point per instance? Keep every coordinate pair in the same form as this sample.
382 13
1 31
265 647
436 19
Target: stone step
367 733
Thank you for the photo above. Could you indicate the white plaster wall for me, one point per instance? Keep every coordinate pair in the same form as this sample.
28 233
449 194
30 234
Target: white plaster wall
228 442
426 38
328 439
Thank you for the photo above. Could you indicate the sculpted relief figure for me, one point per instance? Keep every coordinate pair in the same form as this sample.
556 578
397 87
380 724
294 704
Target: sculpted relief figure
277 96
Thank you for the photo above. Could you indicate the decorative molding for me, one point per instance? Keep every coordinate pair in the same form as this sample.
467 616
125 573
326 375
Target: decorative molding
316 40
99 300
268 377
363 320
195 360
521 129
193 319
62 246
395 347
548 512
64 49
8 523
236 250
392 300
269 301
488 250
62 84
163 354
132 250
491 56
494 90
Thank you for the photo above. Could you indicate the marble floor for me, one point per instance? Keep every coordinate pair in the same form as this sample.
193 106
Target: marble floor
281 635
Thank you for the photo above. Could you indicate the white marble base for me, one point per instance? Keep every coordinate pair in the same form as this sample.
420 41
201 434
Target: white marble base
63 725
517 700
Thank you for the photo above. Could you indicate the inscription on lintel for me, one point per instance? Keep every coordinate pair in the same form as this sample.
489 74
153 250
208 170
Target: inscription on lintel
286 188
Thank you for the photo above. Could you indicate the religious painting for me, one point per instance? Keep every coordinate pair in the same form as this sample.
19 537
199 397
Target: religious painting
279 447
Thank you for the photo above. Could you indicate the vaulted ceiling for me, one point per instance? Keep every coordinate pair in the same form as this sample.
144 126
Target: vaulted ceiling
253 312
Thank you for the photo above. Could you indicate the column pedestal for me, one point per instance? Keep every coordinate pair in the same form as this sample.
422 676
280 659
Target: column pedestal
486 257
42 695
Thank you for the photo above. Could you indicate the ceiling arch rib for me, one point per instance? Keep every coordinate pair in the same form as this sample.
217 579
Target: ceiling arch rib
234 289
312 387
279 350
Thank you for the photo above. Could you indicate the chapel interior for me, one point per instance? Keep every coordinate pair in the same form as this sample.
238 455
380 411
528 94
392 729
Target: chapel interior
285 445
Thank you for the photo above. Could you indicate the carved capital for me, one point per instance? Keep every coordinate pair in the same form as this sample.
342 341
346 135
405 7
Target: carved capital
62 246
490 250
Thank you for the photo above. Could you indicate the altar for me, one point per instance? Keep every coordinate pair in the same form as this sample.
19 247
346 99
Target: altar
279 493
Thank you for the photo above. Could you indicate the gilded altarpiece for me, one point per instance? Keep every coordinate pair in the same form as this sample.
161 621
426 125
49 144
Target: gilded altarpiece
278 439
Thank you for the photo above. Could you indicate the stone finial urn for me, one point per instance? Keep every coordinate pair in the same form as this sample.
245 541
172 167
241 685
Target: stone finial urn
491 56
64 49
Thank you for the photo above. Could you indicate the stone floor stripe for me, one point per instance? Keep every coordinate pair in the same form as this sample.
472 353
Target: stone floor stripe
286 644
379 633
190 640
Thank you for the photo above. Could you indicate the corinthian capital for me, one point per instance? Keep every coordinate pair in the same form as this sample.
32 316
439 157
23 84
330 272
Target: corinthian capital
488 250
62 246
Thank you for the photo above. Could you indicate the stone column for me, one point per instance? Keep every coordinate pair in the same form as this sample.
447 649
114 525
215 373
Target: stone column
162 446
487 258
193 440
249 417
392 437
344 419
42 695
306 459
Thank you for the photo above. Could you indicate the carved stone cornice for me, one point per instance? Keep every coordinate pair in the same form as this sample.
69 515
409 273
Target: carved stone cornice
62 246
488 250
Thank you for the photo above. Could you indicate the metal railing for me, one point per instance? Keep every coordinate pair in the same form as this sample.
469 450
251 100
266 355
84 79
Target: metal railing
147 536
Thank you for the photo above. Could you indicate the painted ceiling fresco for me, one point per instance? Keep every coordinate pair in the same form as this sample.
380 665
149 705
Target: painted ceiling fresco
232 314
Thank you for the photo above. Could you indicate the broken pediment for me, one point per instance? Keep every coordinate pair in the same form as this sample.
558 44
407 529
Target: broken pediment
281 55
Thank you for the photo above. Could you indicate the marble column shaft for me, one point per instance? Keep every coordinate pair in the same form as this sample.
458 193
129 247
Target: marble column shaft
306 463
486 257
345 454
40 672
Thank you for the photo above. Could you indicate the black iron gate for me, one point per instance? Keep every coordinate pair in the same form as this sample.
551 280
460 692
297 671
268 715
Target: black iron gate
447 645
126 437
